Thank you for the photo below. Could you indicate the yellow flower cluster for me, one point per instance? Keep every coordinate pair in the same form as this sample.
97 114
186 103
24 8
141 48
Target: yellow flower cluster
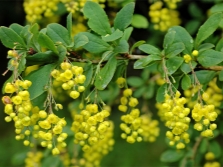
90 126
35 9
136 127
210 157
172 4
175 115
204 115
163 18
71 77
93 157
150 128
52 127
76 6
33 159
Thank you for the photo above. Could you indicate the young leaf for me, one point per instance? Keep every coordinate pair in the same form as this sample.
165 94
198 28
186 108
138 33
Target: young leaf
139 21
217 8
210 58
181 35
185 67
205 76
41 58
16 27
205 46
137 44
173 64
58 34
46 42
40 79
80 40
172 155
143 62
114 36
186 82
149 49
122 47
69 23
174 49
210 25
124 17
106 74
135 81
127 33
169 38
219 46
10 38
98 20
95 44
160 93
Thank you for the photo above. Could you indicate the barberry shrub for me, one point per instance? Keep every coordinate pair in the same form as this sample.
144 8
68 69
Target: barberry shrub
64 88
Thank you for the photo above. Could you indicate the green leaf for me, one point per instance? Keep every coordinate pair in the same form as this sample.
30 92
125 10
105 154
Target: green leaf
186 82
215 148
95 44
58 34
22 63
172 156
137 44
127 33
124 17
80 40
174 49
150 90
205 46
216 8
173 64
208 28
52 161
203 146
161 93
181 35
114 36
62 53
41 58
88 72
205 76
122 47
169 38
40 80
143 62
221 75
10 38
219 46
40 100
18 158
106 73
185 67
69 23
98 20
46 42
16 27
210 58
139 21
192 26
139 92
149 49
135 81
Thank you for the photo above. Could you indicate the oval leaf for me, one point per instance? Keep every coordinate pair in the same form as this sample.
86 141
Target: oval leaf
210 25
171 156
106 74
210 58
10 38
173 64
124 17
139 21
98 20
149 49
186 82
46 42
